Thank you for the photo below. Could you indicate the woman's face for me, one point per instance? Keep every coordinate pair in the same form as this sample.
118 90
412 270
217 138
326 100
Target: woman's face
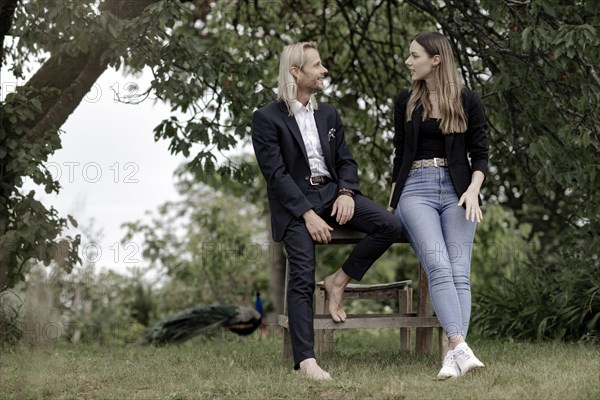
419 63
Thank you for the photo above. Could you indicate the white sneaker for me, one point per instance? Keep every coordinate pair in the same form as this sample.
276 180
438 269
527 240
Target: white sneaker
466 360
449 367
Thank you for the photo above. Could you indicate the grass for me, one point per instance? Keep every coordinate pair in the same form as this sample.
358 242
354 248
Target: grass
365 365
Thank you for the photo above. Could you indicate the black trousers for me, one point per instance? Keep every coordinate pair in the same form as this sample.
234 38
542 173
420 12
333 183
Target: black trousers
382 229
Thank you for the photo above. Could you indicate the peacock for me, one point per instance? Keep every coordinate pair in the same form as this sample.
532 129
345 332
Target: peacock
201 319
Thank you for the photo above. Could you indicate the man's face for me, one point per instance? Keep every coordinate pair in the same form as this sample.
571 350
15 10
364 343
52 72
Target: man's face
310 77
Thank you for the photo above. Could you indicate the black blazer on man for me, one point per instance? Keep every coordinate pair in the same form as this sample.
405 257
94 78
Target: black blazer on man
473 143
282 158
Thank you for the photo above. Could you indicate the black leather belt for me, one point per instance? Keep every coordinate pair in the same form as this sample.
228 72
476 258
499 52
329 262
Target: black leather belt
319 180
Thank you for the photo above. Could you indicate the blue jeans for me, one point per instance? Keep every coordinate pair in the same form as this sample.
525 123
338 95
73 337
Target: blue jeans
442 238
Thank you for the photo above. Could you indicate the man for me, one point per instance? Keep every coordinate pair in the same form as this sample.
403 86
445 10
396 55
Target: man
311 182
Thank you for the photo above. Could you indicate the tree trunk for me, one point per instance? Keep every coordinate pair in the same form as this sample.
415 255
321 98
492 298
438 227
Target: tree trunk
77 310
74 76
6 253
7 11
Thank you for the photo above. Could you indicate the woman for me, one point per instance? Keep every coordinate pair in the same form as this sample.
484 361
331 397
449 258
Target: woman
435 190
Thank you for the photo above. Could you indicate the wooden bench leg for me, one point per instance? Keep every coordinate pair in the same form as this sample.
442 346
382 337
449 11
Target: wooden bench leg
323 337
328 340
287 344
443 345
405 307
320 304
424 335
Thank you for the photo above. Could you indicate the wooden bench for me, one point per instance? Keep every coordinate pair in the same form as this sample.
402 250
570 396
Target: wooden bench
423 320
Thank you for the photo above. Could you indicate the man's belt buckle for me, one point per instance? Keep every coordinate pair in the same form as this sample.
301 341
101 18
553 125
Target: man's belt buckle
313 183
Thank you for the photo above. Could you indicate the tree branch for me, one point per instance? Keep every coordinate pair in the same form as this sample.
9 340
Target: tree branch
74 76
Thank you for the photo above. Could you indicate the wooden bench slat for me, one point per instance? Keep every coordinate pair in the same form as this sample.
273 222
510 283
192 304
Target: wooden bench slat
365 321
357 287
375 321
344 235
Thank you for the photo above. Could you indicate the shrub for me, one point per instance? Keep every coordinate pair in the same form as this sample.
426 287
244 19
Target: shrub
10 333
559 300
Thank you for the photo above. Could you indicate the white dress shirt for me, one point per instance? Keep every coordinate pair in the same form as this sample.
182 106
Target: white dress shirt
305 117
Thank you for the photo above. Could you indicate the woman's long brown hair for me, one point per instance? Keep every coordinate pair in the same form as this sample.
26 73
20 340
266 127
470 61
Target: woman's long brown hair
447 82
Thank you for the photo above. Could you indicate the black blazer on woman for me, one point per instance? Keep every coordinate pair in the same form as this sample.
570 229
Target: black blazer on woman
473 143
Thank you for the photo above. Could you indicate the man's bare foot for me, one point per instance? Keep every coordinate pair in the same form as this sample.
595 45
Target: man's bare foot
311 370
335 285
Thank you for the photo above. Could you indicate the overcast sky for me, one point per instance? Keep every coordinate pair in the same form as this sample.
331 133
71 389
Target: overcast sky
110 168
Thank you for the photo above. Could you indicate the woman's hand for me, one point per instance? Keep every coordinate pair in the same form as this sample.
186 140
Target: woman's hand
471 200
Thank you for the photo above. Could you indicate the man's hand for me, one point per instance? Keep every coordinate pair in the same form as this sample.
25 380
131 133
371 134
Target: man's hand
343 209
319 229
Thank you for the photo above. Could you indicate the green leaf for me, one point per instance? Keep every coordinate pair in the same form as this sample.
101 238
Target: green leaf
73 221
112 29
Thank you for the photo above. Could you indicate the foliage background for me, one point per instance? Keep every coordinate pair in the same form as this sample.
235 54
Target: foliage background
535 63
